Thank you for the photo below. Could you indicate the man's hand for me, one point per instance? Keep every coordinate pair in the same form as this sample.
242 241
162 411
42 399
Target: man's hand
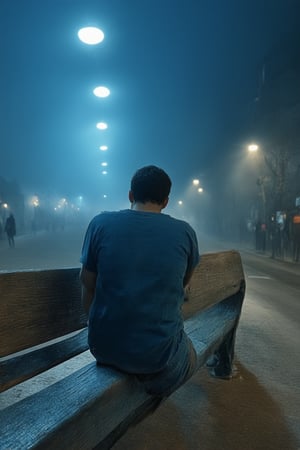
187 292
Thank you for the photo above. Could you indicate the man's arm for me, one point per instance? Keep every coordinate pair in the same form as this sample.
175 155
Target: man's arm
187 278
88 285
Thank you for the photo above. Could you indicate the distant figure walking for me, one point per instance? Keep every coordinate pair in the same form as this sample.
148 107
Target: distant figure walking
10 229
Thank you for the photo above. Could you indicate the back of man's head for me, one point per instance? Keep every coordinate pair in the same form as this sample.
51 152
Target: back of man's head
150 184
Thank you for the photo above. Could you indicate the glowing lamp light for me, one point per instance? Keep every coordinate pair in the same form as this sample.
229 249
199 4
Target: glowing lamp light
104 172
104 164
35 201
253 147
104 196
101 91
180 202
200 190
102 126
90 35
103 148
195 182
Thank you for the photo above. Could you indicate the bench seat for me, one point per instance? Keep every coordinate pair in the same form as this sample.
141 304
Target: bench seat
95 405
43 325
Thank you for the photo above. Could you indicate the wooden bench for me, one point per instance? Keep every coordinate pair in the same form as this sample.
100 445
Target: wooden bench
42 324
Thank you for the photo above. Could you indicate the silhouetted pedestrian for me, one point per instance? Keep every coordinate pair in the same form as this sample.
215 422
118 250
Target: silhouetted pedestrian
10 229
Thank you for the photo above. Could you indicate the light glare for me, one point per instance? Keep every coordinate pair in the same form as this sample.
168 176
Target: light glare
102 126
195 182
253 147
103 148
91 35
101 91
104 164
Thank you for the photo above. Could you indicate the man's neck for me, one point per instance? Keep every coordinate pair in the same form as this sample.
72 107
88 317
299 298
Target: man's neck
146 207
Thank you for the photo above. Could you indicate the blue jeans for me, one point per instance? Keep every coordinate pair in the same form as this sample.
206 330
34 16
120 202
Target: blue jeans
179 368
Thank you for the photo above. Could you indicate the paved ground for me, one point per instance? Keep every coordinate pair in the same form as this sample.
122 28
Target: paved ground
259 408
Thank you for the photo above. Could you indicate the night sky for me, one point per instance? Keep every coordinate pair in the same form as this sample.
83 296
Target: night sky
182 76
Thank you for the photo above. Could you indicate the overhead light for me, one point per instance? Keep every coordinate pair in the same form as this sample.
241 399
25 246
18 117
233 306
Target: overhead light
91 35
102 126
101 91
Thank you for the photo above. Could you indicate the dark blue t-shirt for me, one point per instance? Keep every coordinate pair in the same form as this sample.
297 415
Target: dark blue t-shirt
140 259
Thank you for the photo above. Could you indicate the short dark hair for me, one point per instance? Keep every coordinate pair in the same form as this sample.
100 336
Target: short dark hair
150 184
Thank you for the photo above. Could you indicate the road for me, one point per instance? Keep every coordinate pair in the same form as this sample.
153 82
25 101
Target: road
260 407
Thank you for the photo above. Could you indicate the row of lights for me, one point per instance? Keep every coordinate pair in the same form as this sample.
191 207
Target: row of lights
252 148
94 36
196 183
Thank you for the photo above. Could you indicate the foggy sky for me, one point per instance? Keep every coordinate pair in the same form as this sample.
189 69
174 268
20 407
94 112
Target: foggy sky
182 75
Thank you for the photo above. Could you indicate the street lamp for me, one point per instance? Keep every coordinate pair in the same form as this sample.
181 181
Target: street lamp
261 180
196 182
101 91
103 148
102 125
253 148
200 190
91 35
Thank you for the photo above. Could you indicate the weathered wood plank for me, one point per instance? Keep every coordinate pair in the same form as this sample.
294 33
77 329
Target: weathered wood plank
16 369
38 306
218 276
95 404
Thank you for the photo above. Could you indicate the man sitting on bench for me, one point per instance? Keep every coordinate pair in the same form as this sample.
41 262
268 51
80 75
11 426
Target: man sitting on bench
135 266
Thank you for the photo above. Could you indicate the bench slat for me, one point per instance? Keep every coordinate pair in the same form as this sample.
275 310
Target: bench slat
96 405
38 306
218 276
22 367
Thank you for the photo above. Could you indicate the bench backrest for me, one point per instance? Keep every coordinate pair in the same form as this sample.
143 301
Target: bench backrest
45 305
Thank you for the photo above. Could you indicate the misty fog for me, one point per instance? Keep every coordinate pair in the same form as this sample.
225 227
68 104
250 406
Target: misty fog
192 85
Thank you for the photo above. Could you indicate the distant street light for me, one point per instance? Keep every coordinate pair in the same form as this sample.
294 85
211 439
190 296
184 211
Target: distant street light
104 172
200 190
101 91
103 148
104 164
35 201
253 147
196 182
91 35
180 202
102 126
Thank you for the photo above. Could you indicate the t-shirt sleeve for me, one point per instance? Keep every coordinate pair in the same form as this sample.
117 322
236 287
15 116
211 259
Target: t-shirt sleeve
88 253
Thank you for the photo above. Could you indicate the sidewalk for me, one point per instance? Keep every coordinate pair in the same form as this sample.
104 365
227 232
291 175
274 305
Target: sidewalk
213 244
